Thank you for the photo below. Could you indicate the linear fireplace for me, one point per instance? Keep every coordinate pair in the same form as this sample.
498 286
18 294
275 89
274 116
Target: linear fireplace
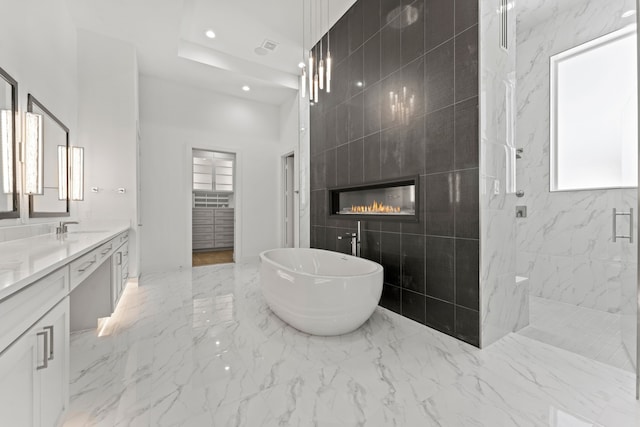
379 200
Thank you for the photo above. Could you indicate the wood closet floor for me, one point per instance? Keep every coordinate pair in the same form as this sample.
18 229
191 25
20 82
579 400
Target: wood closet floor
212 257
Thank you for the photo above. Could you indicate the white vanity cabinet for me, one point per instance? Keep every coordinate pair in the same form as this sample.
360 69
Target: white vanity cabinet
40 300
34 372
119 268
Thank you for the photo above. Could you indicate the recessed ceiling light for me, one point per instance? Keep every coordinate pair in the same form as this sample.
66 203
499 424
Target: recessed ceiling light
246 88
300 64
210 34
629 13
359 84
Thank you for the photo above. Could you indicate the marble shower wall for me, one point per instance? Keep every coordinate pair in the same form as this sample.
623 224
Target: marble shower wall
504 305
564 245
427 49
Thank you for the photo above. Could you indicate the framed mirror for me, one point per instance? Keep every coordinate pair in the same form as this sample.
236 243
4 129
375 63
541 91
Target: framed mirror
55 142
9 207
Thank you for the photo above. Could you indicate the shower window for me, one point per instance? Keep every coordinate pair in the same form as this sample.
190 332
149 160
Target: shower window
594 114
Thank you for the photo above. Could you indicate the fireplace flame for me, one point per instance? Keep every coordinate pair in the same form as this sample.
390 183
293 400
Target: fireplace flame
375 207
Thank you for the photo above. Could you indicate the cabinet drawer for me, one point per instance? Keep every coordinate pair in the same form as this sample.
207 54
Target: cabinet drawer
199 229
122 238
25 307
224 221
224 228
202 221
224 213
82 267
202 245
202 213
105 250
224 236
202 237
223 244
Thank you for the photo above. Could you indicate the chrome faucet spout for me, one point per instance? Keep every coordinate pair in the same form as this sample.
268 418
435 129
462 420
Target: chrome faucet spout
355 241
356 250
62 228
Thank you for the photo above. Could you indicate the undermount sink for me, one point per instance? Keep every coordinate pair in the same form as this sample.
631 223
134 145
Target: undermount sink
86 231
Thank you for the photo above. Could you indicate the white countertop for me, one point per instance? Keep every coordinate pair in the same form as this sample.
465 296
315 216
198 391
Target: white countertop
27 260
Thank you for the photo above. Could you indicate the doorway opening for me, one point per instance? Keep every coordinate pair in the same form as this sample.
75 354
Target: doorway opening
213 205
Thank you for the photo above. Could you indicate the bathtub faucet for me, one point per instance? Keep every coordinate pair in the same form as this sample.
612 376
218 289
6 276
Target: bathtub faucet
355 241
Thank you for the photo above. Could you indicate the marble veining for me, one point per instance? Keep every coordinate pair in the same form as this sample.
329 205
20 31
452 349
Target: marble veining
564 245
501 302
25 260
199 347
595 334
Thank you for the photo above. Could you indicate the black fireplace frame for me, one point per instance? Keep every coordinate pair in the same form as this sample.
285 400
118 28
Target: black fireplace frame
334 199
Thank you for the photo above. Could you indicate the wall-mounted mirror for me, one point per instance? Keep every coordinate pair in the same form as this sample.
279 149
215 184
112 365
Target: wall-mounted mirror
54 171
8 114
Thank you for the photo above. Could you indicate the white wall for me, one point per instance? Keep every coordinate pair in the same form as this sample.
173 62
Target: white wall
565 245
175 117
38 49
304 174
289 134
107 120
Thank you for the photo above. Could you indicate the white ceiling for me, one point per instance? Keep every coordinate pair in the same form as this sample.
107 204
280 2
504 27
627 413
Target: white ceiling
169 38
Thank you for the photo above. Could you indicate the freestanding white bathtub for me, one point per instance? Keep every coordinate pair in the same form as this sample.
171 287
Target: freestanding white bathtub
320 292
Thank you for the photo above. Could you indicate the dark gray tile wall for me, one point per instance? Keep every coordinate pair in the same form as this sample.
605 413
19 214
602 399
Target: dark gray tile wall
431 267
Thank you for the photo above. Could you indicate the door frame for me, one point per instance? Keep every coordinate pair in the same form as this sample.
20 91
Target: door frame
237 194
638 203
293 151
283 187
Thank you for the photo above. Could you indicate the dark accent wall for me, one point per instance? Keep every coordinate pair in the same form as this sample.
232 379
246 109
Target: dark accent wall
431 272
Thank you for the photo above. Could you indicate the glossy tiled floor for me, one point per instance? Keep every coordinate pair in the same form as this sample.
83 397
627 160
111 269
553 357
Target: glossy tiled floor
592 333
200 348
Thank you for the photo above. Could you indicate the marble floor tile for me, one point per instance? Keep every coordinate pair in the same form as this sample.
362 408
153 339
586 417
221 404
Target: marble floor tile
591 333
200 347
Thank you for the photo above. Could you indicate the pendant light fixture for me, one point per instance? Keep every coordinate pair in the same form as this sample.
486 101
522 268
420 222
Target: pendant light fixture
303 80
315 84
328 83
302 65
319 68
310 70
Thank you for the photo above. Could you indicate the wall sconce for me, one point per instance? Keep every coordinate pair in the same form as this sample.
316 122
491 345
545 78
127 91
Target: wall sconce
62 172
6 151
71 173
76 172
33 155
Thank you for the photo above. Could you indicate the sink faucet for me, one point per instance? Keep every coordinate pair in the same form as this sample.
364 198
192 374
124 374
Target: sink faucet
62 228
355 241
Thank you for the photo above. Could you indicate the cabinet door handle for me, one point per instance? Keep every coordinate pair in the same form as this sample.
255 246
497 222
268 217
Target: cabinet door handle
86 266
50 329
105 251
45 354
